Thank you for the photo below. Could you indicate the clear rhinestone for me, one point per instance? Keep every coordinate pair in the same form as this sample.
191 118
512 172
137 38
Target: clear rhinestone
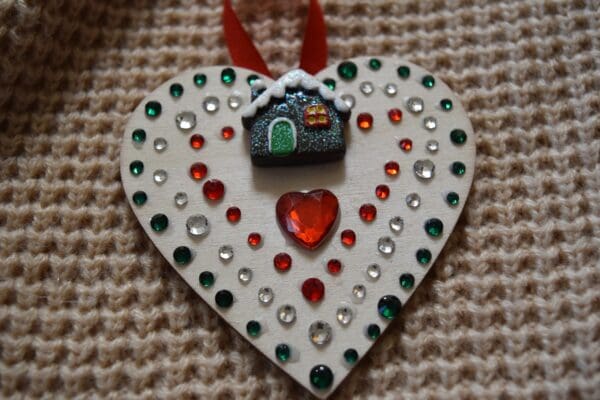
286 314
185 120
390 89
430 123
344 314
211 104
366 88
432 146
160 144
374 271
386 245
424 169
413 200
181 199
396 224
359 292
234 102
320 333
160 176
349 100
245 275
265 295
197 225
415 105
226 252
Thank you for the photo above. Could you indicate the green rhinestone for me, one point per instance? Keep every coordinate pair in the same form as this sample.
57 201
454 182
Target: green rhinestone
224 298
182 255
403 71
389 306
199 80
452 198
228 76
282 352
351 356
373 331
434 227
207 279
139 198
138 136
374 64
153 109
458 168
446 104
423 256
428 81
458 136
347 70
330 83
252 78
176 90
159 222
321 376
136 167
253 328
407 281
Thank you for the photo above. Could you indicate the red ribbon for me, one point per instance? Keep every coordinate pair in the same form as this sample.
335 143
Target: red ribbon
243 53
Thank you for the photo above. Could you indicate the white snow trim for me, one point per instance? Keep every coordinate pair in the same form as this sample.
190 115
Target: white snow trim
293 79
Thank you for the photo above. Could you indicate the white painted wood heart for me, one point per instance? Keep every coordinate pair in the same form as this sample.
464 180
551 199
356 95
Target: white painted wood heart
156 157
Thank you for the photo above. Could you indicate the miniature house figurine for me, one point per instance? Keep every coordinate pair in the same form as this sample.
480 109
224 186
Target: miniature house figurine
297 120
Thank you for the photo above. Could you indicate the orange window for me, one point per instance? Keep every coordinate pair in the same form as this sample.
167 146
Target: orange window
317 116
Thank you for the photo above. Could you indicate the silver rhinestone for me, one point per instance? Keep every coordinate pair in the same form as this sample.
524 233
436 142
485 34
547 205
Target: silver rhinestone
366 88
181 199
349 100
185 120
386 245
359 292
286 314
390 89
197 225
413 200
234 102
320 333
160 144
432 146
265 295
211 104
160 176
245 275
415 105
424 169
344 314
226 252
396 224
430 123
374 271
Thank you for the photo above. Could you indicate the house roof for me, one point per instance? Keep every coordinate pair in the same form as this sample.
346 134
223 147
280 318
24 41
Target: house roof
294 79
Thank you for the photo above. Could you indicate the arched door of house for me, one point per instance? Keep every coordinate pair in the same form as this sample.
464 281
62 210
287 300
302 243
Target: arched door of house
282 137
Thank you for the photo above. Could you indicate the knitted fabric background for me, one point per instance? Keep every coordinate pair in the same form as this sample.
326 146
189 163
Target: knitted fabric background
89 309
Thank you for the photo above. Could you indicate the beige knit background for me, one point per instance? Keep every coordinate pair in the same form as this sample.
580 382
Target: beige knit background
89 309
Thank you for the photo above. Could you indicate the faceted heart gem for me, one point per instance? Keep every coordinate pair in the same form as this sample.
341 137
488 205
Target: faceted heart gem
307 217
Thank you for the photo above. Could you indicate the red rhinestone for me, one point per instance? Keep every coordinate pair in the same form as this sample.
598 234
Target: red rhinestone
198 171
334 266
254 239
392 168
282 262
406 145
348 237
367 212
382 191
395 115
213 189
364 121
228 133
313 290
233 214
197 141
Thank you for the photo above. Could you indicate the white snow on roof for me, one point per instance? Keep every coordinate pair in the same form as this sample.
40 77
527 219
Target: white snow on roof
294 79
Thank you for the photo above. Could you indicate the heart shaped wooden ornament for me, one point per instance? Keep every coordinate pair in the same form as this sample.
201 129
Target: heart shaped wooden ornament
309 262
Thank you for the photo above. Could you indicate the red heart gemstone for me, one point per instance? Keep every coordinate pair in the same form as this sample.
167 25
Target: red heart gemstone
307 217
